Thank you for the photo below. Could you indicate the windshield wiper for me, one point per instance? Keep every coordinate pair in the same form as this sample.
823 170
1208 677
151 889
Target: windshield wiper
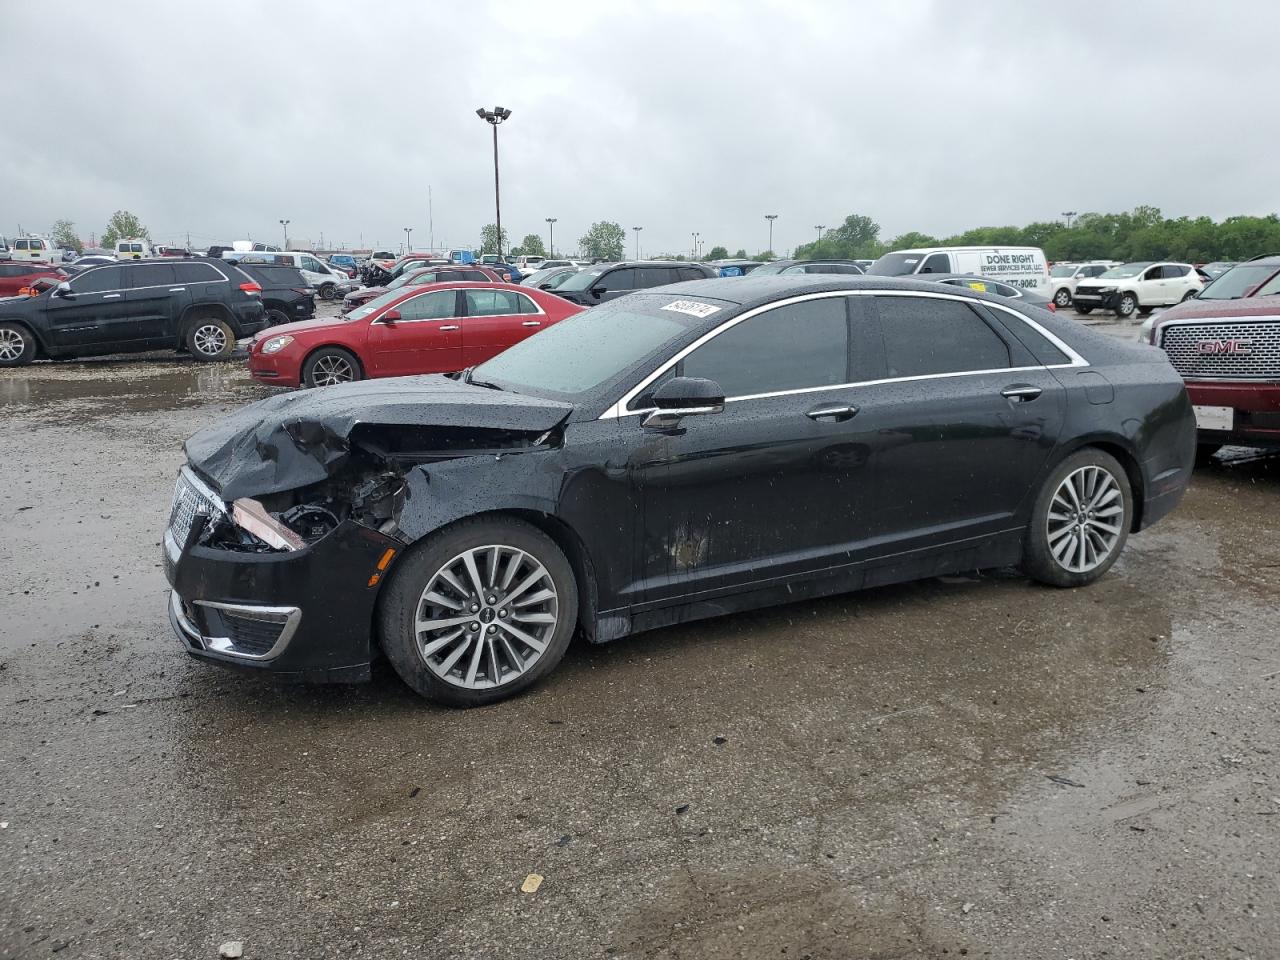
467 377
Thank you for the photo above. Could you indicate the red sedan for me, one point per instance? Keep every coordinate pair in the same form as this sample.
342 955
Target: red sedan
19 274
438 328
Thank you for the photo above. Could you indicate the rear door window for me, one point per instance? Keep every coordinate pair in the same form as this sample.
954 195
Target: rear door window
195 272
655 277
925 335
615 280
792 347
491 303
690 273
1172 272
151 275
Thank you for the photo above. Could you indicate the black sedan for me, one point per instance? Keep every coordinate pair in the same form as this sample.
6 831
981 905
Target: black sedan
680 453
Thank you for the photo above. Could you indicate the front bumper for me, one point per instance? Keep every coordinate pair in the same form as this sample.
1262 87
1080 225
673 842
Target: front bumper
1085 297
274 369
305 615
1256 406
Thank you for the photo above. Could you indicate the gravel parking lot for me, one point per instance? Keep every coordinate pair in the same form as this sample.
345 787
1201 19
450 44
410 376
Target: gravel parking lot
965 766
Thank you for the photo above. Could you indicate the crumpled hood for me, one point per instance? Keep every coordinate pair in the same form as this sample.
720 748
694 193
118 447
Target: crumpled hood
295 439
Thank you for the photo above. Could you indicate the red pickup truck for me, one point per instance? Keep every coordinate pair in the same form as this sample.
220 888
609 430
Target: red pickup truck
1226 345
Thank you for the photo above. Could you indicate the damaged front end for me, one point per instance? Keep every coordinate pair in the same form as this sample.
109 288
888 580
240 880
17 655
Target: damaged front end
286 519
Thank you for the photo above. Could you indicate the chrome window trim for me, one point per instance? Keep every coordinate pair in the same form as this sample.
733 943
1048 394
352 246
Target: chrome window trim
619 408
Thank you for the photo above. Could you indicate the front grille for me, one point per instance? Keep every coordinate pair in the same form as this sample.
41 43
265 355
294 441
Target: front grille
191 499
249 635
1227 350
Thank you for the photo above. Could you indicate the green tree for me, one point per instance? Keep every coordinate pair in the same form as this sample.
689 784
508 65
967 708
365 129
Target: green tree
767 256
489 239
912 240
741 254
531 246
63 234
857 237
605 239
717 253
123 225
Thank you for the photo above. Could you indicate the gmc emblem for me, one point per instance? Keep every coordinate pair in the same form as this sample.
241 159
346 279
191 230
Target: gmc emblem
1233 347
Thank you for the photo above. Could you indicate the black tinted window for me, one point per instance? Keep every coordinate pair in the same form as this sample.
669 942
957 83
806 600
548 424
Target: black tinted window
100 278
1041 347
151 275
655 276
195 272
936 263
800 345
923 336
617 280
690 273
472 275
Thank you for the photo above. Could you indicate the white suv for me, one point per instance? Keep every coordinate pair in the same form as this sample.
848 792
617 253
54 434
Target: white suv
1063 278
1138 287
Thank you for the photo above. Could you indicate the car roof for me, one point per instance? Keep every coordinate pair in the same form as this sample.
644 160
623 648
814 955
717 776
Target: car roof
755 290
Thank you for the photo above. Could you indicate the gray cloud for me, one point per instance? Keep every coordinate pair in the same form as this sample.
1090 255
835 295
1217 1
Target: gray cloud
221 118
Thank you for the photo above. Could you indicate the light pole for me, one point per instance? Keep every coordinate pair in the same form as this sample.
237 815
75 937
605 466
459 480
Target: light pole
637 230
493 118
284 227
1069 214
770 217
407 247
551 226
695 244
820 228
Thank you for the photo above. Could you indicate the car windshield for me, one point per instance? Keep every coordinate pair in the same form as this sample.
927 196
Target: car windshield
591 348
1063 270
374 305
1125 270
1237 282
584 279
894 264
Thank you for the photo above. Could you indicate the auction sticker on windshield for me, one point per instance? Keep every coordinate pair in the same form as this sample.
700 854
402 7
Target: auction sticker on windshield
692 307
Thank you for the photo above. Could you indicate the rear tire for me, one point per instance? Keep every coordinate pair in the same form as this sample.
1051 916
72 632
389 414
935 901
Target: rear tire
277 316
1085 310
1145 311
329 366
1188 295
526 592
17 345
210 338
1080 520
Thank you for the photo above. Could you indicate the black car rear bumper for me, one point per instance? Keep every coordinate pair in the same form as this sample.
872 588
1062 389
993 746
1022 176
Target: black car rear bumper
304 615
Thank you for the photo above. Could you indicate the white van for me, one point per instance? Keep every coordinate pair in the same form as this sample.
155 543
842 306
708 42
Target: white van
133 249
1023 267
35 248
328 281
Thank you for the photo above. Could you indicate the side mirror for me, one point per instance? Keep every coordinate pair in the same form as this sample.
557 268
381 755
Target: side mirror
683 397
391 316
596 291
63 290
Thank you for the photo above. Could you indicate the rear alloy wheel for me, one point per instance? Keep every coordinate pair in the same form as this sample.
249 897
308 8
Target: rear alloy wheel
1080 520
210 338
479 611
1062 299
329 366
1188 295
17 345
1128 303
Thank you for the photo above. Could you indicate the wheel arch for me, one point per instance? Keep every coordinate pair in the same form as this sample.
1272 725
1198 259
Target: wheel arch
1123 451
41 351
197 311
331 345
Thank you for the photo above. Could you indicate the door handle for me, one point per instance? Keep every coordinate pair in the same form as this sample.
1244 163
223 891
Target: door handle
532 323
177 289
839 412
111 296
450 326
1021 392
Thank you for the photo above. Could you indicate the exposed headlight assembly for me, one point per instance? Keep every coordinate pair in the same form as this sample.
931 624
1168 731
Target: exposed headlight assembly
276 344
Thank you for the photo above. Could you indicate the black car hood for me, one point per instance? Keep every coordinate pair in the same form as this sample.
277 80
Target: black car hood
296 439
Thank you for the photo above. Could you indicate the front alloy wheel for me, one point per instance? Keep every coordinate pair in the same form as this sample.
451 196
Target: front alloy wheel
16 346
479 611
1062 299
1128 303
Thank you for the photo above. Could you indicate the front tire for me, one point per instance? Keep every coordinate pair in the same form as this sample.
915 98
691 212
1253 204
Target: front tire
1189 295
327 291
329 366
1062 299
211 338
1127 305
479 611
1080 520
17 345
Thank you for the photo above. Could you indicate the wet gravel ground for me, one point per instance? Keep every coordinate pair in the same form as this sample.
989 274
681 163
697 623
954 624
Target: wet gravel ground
968 766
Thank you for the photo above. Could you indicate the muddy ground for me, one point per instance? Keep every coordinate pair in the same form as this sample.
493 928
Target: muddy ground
969 766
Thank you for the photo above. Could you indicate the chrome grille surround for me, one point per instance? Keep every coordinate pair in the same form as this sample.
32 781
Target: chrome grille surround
1234 349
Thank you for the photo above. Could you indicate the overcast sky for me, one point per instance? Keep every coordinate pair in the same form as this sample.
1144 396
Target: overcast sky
222 118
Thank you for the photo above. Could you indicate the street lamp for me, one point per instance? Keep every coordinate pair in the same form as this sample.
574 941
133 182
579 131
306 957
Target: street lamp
551 225
1069 214
770 217
637 230
407 231
493 118
695 244
819 228
284 227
